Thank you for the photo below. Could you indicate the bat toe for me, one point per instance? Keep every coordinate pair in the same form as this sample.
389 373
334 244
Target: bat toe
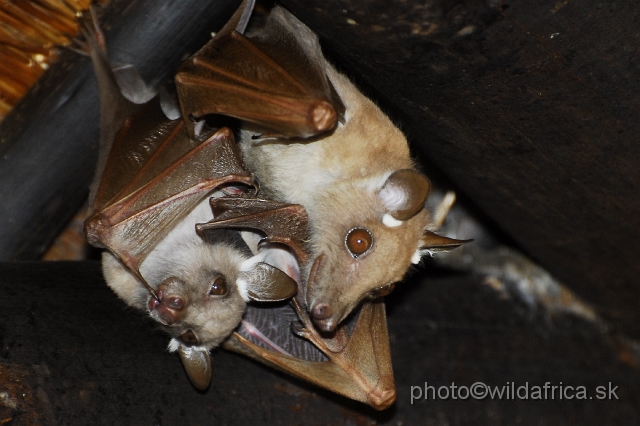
322 116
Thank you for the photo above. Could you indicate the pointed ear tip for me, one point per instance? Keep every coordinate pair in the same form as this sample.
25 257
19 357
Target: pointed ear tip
461 242
455 244
432 240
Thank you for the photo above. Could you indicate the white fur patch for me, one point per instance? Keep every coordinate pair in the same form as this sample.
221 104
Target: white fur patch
390 221
243 289
393 197
186 349
248 264
375 183
174 344
282 259
198 126
431 253
417 257
251 239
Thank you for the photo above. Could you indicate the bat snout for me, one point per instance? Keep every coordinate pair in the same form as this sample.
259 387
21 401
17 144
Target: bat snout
174 302
169 308
321 311
325 318
165 315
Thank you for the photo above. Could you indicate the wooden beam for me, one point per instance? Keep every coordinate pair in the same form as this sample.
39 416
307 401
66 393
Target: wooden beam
72 353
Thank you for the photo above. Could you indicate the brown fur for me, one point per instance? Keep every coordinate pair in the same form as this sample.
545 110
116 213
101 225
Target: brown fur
337 180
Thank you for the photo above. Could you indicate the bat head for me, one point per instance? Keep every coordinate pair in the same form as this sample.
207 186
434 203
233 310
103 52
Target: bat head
364 241
204 299
199 302
202 291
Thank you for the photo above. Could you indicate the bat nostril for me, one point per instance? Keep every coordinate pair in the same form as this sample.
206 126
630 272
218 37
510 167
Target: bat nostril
321 311
153 304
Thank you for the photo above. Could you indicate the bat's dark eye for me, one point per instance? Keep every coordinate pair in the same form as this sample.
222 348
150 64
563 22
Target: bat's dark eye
382 291
219 287
189 338
358 241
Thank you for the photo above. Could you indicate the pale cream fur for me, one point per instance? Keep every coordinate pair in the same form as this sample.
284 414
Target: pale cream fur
182 254
196 265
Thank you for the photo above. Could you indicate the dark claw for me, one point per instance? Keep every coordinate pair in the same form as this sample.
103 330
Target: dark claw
262 242
298 330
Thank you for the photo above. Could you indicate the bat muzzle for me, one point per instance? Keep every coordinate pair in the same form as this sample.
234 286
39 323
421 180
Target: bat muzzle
168 307
321 312
324 317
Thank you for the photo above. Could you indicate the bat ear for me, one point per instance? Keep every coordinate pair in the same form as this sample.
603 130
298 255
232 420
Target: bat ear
437 243
265 283
403 194
197 364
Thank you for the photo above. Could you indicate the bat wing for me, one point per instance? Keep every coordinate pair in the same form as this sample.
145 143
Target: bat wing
114 107
356 364
274 79
281 222
359 369
153 174
153 178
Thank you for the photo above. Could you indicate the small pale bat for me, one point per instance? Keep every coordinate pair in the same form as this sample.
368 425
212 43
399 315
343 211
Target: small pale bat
152 188
322 144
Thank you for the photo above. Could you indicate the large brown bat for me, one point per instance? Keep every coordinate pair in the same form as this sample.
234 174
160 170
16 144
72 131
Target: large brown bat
152 188
354 362
325 146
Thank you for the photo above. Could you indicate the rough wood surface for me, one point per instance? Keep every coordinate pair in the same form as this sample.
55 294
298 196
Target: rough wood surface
531 109
84 358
